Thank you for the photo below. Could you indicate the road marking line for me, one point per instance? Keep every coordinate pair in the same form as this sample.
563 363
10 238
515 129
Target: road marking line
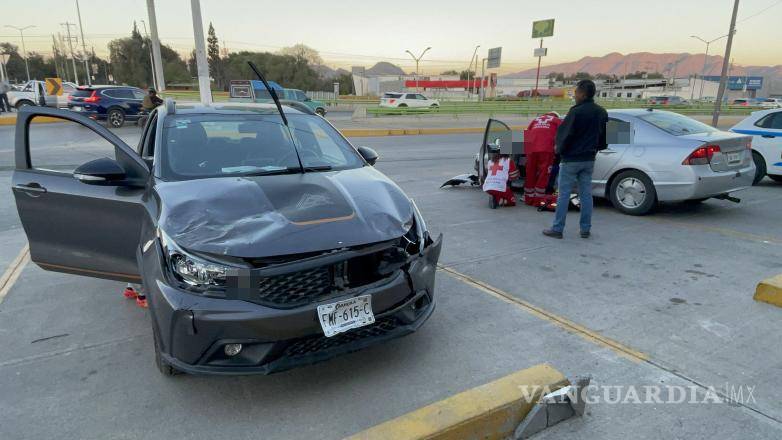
14 270
570 326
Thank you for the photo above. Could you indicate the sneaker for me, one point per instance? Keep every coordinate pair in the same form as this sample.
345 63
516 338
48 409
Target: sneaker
492 202
585 234
552 233
141 301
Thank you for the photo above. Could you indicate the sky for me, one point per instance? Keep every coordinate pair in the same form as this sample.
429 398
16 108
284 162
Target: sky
362 32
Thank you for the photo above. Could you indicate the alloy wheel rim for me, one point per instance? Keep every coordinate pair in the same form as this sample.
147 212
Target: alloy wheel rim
631 192
115 118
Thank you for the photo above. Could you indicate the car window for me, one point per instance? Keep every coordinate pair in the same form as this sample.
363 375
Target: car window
618 131
63 146
410 96
81 93
421 97
320 145
198 146
301 96
675 124
148 141
66 88
138 94
28 87
392 95
772 121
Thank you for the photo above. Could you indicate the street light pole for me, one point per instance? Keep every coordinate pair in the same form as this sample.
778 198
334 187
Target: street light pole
417 60
200 45
469 85
705 59
24 50
723 76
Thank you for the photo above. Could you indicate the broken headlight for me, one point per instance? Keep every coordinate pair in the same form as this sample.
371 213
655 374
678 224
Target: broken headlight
192 270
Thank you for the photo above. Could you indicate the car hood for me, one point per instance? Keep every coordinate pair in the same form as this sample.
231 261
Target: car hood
254 217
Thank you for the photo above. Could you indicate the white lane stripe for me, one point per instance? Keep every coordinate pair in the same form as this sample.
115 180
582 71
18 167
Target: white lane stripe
14 270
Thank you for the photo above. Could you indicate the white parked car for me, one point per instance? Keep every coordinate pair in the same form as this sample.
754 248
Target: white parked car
411 100
771 103
765 127
28 95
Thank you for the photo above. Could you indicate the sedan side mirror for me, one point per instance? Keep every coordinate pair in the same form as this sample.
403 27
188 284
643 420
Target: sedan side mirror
100 171
368 154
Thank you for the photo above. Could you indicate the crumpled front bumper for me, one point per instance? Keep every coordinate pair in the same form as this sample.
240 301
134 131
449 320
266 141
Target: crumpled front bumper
194 329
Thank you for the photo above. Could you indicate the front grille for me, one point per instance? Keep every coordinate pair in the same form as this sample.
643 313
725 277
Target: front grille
297 288
316 344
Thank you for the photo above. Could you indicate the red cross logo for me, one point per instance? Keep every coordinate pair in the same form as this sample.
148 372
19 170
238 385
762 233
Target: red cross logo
495 167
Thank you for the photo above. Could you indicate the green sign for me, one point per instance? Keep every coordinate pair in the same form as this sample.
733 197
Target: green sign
543 28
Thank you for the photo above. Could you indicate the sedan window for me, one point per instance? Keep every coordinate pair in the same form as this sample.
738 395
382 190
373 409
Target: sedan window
676 124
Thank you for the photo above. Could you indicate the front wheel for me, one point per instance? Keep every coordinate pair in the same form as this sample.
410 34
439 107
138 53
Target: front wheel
23 103
760 167
320 111
633 193
116 118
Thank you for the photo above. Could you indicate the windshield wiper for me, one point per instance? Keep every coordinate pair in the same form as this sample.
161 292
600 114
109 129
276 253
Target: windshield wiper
286 170
318 168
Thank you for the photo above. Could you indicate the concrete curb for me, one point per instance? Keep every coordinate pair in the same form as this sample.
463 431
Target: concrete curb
37 120
770 291
487 412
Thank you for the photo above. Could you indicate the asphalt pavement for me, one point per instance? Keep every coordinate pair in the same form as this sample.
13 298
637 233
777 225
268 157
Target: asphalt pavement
662 300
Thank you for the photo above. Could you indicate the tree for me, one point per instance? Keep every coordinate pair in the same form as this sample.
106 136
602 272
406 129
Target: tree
131 63
213 55
450 72
289 71
302 51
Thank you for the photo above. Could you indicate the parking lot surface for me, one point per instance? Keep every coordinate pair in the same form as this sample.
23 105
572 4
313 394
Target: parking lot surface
659 300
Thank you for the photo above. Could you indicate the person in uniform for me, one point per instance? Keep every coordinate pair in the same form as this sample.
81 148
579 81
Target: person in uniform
539 145
499 172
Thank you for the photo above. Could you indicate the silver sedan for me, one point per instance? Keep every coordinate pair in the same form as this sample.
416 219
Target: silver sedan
659 156
652 156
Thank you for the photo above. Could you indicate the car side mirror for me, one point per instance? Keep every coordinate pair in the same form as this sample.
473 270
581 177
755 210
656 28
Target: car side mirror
494 147
99 172
368 154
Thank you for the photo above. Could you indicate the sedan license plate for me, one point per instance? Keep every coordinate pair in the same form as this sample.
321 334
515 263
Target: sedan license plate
77 109
734 157
342 316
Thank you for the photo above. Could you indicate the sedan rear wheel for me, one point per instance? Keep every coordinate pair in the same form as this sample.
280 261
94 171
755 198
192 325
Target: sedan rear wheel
632 192
760 167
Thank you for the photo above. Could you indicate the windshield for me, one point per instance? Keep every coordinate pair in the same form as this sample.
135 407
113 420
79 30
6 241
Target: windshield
198 146
675 123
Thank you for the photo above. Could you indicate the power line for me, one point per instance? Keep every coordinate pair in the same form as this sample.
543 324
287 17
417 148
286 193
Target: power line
779 2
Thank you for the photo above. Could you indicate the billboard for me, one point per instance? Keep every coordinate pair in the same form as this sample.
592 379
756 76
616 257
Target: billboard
543 28
493 61
740 82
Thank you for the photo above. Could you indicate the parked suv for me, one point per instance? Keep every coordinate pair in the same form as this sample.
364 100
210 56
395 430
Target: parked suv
403 100
113 104
262 241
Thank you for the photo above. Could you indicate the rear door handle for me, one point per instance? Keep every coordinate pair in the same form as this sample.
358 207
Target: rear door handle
31 187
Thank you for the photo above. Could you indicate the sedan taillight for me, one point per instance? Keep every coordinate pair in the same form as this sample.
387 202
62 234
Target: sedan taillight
92 98
702 155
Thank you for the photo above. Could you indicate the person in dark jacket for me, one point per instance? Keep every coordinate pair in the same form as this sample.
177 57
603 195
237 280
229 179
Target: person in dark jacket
579 138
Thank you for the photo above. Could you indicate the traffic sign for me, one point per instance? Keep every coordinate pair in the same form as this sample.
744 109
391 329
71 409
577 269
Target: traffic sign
541 51
543 28
54 86
493 61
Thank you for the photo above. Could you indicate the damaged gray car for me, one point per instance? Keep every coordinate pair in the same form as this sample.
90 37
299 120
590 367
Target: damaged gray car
262 238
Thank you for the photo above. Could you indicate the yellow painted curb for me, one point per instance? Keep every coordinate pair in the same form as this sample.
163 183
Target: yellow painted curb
487 412
770 291
37 120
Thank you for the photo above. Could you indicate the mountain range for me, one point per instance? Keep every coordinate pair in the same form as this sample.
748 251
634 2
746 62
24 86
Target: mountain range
669 64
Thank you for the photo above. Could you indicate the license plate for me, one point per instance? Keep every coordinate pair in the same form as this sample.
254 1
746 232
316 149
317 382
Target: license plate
342 316
77 109
734 157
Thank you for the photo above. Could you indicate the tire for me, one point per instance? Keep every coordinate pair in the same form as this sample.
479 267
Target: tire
164 367
321 112
633 193
23 103
434 106
402 106
760 167
775 178
115 118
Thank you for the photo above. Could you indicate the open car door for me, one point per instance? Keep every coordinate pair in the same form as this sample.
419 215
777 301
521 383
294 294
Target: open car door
83 219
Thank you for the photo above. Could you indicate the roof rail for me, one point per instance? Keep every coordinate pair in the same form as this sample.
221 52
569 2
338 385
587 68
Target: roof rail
170 106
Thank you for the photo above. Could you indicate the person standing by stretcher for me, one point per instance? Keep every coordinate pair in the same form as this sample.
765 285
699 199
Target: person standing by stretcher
539 140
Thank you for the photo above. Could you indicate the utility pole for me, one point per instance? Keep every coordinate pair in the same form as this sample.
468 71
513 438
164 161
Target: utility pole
482 93
158 61
200 48
705 58
70 46
151 58
723 77
417 60
24 50
83 46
